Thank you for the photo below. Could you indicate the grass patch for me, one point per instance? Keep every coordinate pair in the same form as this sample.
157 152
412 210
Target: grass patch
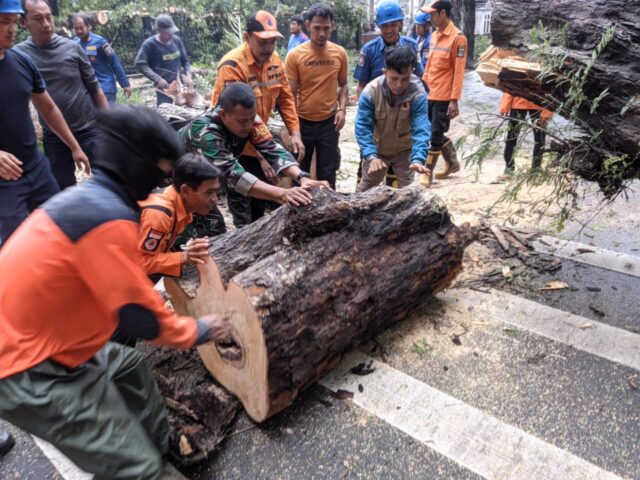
421 347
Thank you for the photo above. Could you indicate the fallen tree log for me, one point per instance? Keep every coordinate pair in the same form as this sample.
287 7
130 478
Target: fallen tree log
305 285
575 30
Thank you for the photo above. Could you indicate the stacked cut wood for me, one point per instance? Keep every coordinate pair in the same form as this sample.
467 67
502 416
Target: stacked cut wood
617 70
305 285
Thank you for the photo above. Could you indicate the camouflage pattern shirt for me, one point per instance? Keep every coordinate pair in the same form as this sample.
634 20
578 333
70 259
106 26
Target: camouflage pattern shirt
209 136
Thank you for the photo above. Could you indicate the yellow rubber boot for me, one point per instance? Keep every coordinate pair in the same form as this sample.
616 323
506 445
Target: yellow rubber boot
451 164
427 178
391 180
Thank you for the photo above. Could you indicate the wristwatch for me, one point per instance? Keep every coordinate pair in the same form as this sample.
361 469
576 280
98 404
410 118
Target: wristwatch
302 175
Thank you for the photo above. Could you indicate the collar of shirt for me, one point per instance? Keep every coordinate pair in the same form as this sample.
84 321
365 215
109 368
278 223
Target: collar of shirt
448 29
176 199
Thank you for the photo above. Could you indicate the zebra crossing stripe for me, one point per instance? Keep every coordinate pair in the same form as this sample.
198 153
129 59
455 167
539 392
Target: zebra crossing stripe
466 435
615 344
595 256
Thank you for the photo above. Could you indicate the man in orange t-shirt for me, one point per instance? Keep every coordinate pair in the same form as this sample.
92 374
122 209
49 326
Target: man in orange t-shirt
257 64
443 77
318 73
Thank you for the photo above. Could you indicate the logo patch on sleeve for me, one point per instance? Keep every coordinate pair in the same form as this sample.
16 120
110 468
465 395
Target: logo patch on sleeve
108 51
152 241
460 52
260 133
361 60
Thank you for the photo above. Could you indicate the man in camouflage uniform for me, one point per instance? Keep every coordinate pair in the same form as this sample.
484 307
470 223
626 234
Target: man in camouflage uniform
221 134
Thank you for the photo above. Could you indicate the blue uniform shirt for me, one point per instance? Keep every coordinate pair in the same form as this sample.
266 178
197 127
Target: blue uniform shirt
423 48
105 62
371 59
295 40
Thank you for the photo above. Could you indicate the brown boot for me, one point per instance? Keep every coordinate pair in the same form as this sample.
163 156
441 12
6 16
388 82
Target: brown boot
451 164
427 178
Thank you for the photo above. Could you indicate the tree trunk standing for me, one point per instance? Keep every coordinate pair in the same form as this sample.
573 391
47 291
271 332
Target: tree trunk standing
617 69
463 15
305 285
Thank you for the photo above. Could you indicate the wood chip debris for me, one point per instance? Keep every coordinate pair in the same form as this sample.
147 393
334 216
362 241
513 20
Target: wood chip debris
506 272
554 285
342 394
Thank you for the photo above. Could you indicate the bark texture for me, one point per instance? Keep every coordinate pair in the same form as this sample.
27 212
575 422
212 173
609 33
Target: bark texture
463 14
617 68
305 285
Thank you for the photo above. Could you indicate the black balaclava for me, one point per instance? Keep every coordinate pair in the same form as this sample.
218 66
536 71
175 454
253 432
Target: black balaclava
133 140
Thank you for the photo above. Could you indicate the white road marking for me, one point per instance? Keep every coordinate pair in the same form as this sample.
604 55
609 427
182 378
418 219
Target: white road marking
583 253
615 344
66 467
466 435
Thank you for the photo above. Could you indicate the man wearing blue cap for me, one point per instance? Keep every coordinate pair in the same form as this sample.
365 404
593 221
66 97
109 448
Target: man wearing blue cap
390 18
423 32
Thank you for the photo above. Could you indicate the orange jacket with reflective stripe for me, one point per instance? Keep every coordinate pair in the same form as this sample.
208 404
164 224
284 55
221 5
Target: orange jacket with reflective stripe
70 274
509 102
163 218
445 65
269 83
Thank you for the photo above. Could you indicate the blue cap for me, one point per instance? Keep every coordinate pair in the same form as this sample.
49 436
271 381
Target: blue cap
11 6
422 18
388 11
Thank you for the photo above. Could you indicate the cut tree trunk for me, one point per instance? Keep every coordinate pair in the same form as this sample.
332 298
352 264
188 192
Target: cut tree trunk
305 285
617 69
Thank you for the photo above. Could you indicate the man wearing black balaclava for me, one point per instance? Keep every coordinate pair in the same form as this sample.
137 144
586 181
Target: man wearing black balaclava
73 277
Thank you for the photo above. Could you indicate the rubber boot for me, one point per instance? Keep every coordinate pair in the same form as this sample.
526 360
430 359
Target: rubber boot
427 178
451 164
390 179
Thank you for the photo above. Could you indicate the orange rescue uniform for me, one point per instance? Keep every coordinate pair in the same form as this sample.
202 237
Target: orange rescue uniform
509 102
318 72
60 299
445 65
163 219
269 84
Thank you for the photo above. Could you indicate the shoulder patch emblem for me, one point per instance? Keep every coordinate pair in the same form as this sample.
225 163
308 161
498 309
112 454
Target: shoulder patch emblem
460 52
152 242
108 51
361 60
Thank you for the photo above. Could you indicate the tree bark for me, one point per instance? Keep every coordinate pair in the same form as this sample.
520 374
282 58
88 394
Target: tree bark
305 285
617 68
463 14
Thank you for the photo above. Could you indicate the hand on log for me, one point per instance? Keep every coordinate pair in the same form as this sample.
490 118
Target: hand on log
219 327
304 285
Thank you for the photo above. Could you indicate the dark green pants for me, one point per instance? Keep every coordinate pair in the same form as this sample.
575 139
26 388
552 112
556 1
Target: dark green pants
107 415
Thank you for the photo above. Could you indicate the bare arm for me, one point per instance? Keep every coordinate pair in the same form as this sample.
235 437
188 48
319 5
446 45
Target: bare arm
51 114
294 90
343 101
100 99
